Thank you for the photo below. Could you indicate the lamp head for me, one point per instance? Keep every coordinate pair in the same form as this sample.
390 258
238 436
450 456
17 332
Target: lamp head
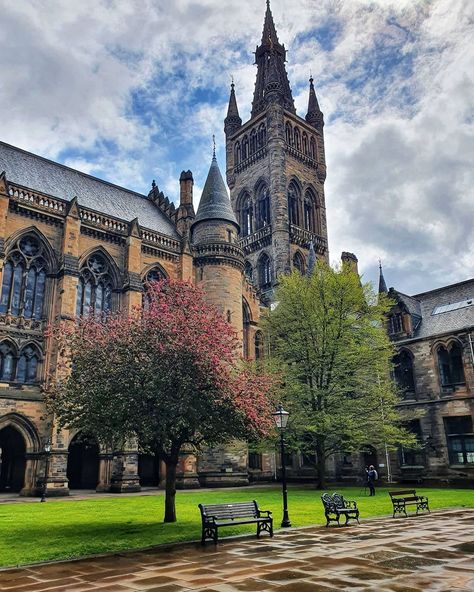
281 417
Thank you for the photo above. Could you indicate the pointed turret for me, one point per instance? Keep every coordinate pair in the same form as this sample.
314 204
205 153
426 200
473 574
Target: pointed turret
215 202
233 121
382 284
314 116
271 50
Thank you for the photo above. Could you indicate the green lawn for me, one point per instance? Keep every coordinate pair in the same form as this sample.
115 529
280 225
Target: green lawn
34 532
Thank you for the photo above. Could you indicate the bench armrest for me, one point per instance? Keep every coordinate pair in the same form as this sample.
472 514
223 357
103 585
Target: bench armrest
350 504
207 518
267 512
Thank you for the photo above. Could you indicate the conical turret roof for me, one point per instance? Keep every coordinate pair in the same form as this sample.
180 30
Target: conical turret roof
269 34
382 283
215 202
233 110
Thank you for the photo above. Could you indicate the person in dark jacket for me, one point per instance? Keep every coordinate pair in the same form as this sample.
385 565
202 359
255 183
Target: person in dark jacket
372 477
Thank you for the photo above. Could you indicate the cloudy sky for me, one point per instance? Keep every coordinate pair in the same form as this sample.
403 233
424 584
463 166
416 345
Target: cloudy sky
132 90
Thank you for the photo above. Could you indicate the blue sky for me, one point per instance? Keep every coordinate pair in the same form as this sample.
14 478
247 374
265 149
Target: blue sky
133 90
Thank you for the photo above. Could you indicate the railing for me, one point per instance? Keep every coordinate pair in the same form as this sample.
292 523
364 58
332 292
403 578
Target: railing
260 153
34 199
301 156
160 240
218 249
103 222
300 236
256 240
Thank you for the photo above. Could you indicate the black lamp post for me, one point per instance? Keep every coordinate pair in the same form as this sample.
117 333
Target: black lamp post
281 420
47 452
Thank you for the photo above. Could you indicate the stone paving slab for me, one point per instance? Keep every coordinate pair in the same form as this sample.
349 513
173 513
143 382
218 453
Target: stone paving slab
433 552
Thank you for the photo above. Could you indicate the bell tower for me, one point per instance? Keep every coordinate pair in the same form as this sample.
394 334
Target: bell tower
276 171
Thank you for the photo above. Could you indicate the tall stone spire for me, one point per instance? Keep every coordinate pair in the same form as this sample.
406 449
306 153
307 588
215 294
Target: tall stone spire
314 116
382 284
270 50
233 121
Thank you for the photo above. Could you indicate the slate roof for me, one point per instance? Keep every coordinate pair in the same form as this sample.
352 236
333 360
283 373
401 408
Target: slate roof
215 202
56 180
452 321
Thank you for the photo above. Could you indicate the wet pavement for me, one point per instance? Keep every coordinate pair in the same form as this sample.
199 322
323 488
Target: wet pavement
432 552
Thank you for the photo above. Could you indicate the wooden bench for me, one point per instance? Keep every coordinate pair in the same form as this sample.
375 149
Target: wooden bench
216 515
407 497
335 505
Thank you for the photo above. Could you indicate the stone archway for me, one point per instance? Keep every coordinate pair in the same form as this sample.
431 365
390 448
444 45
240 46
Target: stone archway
12 460
83 463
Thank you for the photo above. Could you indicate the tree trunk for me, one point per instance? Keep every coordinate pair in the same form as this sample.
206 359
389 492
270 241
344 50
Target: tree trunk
170 489
321 465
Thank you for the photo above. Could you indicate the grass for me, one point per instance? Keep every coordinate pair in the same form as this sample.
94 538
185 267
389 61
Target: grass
35 532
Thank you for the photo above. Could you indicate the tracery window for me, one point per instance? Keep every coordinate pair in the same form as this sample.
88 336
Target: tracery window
24 279
94 290
288 134
246 217
310 212
245 148
294 196
264 271
395 324
263 207
7 362
258 345
312 148
27 366
262 135
450 364
305 143
237 153
246 328
297 139
253 141
403 371
298 262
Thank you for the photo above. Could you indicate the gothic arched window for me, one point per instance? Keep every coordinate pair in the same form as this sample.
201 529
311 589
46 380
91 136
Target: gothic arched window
312 148
245 148
294 195
297 139
403 371
262 135
264 271
310 212
263 206
246 328
298 262
288 134
246 215
27 366
155 274
24 279
248 270
237 153
253 141
94 290
7 362
450 364
258 345
305 143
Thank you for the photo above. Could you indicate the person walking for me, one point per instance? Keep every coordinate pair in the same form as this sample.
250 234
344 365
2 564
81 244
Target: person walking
372 477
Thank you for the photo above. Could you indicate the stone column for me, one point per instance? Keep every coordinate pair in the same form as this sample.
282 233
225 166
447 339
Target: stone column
125 477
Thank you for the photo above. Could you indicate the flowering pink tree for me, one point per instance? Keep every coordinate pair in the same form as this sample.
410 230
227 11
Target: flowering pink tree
165 376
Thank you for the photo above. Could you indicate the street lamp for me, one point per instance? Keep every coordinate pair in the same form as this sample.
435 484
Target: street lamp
47 452
281 421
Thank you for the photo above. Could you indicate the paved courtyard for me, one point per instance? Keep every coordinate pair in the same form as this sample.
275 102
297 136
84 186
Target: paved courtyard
427 553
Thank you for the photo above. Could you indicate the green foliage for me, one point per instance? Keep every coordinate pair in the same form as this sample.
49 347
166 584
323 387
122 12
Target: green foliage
32 532
327 333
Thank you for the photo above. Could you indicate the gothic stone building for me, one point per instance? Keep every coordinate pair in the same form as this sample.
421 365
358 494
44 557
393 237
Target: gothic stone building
434 366
72 244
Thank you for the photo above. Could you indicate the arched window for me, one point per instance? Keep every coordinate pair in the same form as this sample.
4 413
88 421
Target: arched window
262 135
288 134
298 262
264 271
403 371
24 279
27 366
305 143
258 345
7 362
263 206
248 270
312 148
155 274
245 148
294 195
253 141
246 215
297 139
310 212
246 328
94 290
450 364
237 153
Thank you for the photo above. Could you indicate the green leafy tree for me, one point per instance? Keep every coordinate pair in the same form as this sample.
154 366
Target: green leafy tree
166 376
327 333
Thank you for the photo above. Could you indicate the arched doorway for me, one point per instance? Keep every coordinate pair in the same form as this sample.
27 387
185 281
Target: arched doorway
370 457
12 459
149 470
83 463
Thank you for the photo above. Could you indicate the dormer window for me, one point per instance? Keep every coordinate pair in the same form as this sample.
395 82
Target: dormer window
395 324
